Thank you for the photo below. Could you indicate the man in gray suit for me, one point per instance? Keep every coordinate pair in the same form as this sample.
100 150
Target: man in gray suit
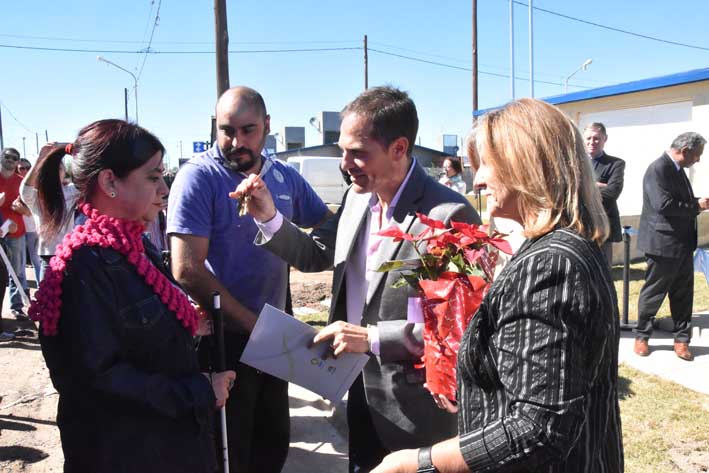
668 237
388 408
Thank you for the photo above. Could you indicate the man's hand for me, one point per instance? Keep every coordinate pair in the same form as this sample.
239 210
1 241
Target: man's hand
401 461
344 337
260 202
704 203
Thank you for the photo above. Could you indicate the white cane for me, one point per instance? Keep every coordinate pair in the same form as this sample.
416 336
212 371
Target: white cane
221 366
13 275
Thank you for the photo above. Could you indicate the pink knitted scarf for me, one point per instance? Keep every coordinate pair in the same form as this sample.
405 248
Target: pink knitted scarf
106 232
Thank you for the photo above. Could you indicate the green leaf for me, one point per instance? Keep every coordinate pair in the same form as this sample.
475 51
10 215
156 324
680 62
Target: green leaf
391 265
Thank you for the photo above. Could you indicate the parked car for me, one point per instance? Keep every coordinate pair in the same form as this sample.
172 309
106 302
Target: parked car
323 174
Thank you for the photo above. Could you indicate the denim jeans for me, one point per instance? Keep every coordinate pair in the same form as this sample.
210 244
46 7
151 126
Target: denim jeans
16 255
32 240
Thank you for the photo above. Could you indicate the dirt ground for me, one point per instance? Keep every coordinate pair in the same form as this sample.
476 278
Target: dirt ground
29 439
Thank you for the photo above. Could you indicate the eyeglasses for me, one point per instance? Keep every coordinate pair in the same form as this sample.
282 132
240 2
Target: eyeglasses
23 168
11 157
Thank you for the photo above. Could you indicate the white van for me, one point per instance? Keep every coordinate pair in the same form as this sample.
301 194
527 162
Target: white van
323 174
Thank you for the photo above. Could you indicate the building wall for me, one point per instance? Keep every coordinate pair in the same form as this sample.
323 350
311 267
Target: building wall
641 125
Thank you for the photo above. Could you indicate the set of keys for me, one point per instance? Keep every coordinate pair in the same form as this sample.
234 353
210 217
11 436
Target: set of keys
241 205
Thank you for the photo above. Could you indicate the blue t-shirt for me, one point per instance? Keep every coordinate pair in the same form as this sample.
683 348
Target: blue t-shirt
199 205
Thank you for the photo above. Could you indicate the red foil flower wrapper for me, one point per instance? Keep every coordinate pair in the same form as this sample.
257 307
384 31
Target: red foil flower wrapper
449 304
453 274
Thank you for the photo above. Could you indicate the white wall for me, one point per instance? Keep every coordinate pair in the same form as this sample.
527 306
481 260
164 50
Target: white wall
639 135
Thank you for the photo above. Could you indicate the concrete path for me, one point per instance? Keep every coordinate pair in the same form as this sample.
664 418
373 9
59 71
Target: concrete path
664 363
318 434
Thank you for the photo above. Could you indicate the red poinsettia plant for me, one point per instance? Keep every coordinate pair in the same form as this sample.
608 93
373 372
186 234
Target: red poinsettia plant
452 275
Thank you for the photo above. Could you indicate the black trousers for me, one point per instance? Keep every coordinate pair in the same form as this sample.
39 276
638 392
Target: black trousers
365 449
673 276
257 413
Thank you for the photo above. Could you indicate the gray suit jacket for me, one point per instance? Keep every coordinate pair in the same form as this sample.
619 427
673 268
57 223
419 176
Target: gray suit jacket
403 412
668 223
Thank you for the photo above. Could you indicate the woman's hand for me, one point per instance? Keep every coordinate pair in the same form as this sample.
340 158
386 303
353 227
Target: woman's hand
443 402
222 384
401 461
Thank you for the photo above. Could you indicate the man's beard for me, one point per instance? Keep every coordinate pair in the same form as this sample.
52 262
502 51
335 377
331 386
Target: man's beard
231 159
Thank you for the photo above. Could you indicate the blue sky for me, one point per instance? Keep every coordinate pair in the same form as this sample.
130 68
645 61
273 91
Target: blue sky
62 91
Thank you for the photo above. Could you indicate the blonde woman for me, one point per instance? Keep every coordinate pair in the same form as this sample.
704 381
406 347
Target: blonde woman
537 370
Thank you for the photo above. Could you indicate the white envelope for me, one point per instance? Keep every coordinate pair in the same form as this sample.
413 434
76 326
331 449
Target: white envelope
278 345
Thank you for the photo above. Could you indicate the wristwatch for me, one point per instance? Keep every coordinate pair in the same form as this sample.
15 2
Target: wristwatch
425 462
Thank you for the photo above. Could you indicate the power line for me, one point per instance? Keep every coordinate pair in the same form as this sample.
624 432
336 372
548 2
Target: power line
15 118
467 69
121 41
152 51
420 53
150 42
611 28
145 30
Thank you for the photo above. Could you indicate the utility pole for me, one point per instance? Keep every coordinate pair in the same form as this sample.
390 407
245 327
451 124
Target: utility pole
125 101
2 141
46 136
222 46
475 58
531 49
366 65
24 151
36 137
512 50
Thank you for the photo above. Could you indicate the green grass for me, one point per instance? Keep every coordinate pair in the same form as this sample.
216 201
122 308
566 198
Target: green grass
637 278
318 320
664 424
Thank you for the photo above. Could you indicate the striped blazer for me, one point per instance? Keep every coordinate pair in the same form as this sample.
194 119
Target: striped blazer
538 366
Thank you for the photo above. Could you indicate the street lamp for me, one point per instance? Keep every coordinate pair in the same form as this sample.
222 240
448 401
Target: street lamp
583 67
135 81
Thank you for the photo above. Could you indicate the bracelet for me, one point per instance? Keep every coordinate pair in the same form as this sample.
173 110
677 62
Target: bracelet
425 463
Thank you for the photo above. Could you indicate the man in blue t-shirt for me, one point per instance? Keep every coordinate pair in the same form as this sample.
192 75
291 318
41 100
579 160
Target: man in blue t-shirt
212 250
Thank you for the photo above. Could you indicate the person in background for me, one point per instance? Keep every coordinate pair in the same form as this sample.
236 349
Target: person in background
454 175
5 336
538 365
66 195
11 210
668 237
212 248
31 237
609 172
116 330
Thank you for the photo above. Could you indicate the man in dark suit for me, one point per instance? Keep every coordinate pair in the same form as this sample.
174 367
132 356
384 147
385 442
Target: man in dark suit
668 236
388 408
609 172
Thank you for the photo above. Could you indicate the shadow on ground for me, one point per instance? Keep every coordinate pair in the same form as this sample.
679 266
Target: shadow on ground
23 454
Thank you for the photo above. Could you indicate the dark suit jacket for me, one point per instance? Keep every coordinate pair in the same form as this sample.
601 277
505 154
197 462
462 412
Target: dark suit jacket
610 171
403 412
668 223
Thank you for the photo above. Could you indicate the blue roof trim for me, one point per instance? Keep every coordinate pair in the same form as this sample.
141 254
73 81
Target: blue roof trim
696 75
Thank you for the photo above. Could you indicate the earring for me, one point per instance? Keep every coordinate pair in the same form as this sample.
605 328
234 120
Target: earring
112 194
